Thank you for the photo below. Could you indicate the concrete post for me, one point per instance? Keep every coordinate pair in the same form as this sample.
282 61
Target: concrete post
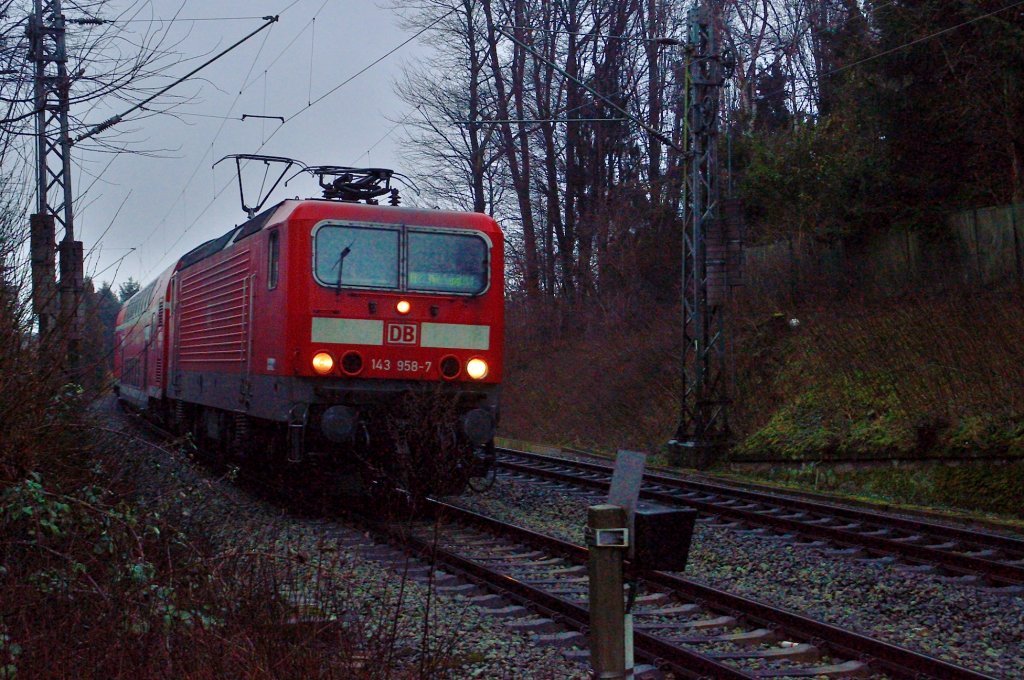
44 289
607 607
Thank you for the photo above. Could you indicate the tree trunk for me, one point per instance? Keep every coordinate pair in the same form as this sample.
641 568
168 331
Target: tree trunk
519 168
476 149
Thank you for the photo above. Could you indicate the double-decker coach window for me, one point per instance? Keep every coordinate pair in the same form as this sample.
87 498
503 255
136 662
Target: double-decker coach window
361 257
447 263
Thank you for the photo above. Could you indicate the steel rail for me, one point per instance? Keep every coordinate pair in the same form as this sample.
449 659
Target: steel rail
682 661
957 562
883 656
979 537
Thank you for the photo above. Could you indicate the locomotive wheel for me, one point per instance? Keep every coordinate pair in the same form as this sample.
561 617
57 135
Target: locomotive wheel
484 471
484 483
209 449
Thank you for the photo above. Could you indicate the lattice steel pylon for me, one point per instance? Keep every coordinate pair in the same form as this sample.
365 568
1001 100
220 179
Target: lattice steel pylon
48 51
703 430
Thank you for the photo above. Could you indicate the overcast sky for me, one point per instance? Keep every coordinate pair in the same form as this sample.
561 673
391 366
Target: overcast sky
176 200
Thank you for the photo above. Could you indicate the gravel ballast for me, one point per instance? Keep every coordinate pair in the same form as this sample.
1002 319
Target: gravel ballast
953 621
334 573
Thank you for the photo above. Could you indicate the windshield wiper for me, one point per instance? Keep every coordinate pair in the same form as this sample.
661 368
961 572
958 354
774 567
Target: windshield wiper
341 264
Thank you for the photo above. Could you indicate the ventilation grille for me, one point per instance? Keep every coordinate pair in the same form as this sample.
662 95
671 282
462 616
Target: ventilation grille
215 311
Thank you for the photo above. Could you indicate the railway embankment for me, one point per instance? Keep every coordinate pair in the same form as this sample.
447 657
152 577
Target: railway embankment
125 557
915 400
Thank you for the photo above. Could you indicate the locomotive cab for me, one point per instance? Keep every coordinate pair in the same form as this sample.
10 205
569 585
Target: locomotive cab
404 320
332 330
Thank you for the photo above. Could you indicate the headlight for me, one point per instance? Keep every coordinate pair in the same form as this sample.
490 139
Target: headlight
323 363
403 306
477 369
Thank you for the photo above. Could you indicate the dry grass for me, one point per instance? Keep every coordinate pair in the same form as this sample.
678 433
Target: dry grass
598 376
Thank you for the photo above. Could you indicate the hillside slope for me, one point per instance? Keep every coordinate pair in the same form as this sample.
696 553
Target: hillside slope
938 377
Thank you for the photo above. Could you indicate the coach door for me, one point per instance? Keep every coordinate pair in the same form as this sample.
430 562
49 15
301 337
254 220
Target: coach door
172 384
147 339
157 344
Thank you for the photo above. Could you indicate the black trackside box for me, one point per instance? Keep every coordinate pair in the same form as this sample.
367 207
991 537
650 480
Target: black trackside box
662 537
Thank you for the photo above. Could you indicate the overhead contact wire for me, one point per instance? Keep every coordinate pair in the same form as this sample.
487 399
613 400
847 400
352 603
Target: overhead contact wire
246 84
312 51
298 35
213 142
306 108
375 62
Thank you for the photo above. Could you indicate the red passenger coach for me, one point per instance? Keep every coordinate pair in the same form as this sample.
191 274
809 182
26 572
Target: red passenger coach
330 329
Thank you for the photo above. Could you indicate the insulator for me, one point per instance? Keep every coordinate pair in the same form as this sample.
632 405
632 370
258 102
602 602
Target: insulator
395 199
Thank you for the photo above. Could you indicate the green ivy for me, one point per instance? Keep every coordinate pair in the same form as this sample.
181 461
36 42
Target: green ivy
9 653
28 504
84 524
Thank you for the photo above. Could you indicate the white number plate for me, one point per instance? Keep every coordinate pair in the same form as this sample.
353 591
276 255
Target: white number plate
402 366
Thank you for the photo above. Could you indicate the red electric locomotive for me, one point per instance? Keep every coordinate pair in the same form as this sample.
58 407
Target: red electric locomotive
330 329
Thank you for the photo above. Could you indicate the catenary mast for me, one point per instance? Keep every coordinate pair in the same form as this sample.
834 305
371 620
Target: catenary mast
710 250
59 308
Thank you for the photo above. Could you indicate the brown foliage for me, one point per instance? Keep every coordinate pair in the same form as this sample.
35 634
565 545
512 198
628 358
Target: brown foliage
935 366
598 374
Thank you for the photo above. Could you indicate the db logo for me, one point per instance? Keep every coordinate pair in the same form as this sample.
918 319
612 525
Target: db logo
401 334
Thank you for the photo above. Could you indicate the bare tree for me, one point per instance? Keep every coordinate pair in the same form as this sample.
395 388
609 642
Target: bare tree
116 57
547 82
449 135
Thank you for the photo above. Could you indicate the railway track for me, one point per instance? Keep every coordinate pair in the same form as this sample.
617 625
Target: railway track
539 584
988 560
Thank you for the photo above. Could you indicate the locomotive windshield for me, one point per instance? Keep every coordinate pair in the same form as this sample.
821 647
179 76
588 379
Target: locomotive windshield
410 259
447 263
357 256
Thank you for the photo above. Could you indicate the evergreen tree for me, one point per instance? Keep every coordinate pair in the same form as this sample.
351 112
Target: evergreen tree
127 289
951 98
101 308
770 111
